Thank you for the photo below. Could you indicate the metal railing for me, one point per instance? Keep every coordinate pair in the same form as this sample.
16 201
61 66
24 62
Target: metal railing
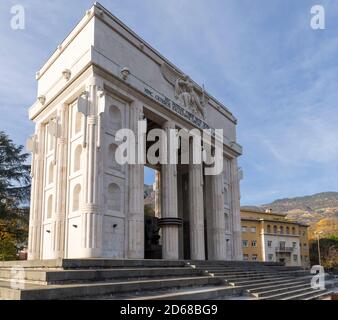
284 249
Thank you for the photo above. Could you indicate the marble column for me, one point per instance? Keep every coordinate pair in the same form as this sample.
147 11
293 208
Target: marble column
169 206
35 216
235 211
136 194
196 210
215 217
91 238
58 223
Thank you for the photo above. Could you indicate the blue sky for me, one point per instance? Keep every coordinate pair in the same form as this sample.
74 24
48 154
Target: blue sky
259 57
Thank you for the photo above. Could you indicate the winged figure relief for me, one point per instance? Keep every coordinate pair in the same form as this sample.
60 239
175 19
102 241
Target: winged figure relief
192 97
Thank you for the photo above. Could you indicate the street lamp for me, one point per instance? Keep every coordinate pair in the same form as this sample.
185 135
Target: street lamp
319 259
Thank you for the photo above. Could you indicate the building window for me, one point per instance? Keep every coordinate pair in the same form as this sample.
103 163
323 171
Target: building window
305 258
295 257
270 257
274 229
253 229
268 229
293 230
287 230
243 228
304 233
245 243
254 257
269 243
245 257
294 244
281 229
304 244
254 243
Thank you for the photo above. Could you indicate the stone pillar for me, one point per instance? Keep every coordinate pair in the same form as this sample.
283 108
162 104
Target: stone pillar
169 207
91 238
215 217
235 211
35 217
196 210
157 188
136 194
58 224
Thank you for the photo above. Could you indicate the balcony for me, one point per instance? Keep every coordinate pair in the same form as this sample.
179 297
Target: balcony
284 249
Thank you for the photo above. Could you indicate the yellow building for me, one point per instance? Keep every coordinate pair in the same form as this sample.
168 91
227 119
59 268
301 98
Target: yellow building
268 236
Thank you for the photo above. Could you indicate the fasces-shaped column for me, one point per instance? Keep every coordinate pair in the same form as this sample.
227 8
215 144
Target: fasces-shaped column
215 217
136 194
35 217
196 210
235 211
91 238
169 209
58 224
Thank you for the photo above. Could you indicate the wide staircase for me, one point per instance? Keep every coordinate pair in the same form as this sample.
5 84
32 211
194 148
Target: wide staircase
155 280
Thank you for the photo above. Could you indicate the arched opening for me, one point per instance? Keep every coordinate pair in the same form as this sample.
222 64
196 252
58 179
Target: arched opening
76 198
287 230
115 117
275 229
77 158
281 229
268 229
114 197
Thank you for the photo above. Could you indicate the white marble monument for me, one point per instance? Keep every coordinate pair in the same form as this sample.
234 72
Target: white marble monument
102 78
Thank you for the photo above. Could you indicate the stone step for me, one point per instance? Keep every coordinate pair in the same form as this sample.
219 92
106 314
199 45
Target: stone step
231 269
204 293
319 296
68 291
240 279
66 276
237 272
249 282
310 295
281 290
289 293
276 285
262 285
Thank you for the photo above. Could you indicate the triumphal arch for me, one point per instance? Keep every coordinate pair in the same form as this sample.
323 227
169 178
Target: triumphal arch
103 78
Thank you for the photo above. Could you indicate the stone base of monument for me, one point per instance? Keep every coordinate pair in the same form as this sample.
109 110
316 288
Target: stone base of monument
153 279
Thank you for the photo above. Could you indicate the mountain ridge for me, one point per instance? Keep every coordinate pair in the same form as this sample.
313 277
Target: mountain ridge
319 211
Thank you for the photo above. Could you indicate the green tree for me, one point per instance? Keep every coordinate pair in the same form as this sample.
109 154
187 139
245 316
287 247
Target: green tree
14 197
328 252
